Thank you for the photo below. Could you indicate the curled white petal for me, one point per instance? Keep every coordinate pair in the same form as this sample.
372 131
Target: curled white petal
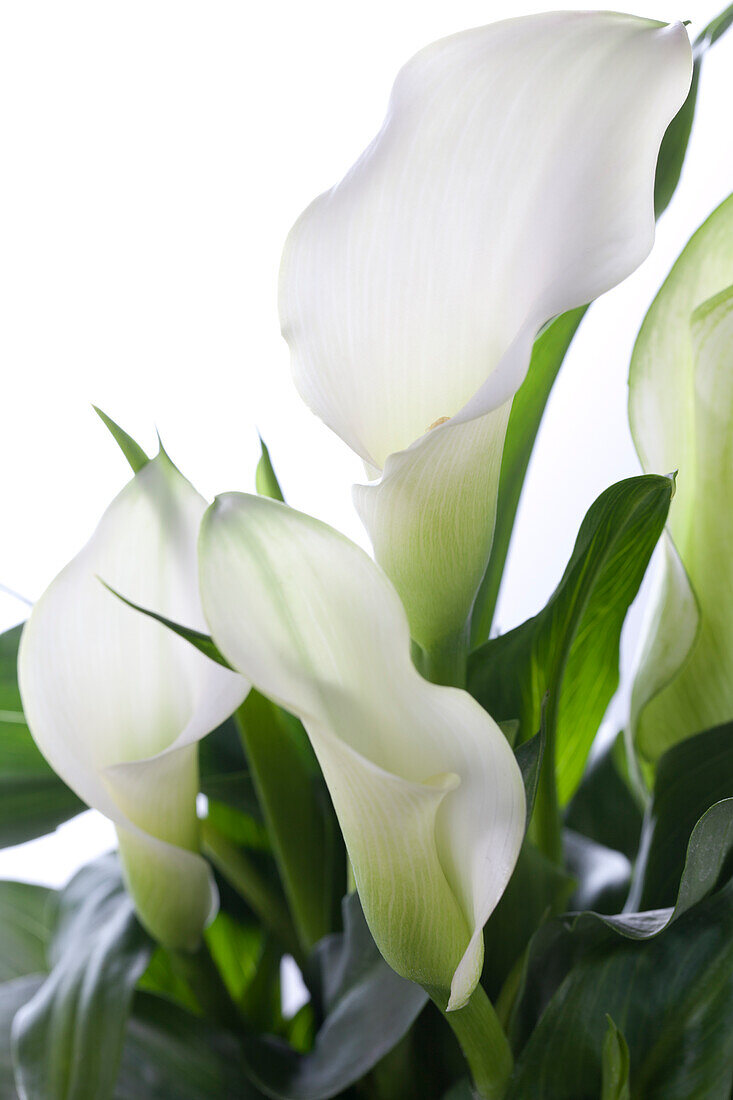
117 703
512 180
426 788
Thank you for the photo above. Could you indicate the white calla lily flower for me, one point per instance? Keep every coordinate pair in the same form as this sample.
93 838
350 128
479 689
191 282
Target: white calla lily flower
117 703
427 791
681 410
512 180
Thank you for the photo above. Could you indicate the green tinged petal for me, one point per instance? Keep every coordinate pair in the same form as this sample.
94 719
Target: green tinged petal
681 410
427 791
117 703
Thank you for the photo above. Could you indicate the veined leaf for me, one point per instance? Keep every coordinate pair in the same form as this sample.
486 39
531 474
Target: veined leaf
170 1053
27 918
665 976
67 1040
690 778
570 649
368 1010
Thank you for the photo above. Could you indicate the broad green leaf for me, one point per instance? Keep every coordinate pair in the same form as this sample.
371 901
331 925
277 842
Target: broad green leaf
300 820
67 1040
570 649
603 807
132 451
672 997
368 1010
13 995
690 778
562 947
33 800
27 918
266 481
615 1065
537 889
169 1054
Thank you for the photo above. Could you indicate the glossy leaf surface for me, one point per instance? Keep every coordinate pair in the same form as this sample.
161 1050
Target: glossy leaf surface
368 1010
571 647
67 1040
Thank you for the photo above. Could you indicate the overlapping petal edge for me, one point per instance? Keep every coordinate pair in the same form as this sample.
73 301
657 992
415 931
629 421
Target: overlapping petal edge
117 703
427 791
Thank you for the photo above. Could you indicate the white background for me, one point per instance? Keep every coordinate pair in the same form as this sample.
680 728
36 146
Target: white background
154 156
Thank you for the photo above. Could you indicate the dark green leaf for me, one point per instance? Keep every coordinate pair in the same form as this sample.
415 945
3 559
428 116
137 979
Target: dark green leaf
27 918
200 641
67 1040
171 1055
13 995
537 888
690 777
570 649
224 771
368 1010
530 755
300 820
461 1091
615 1065
266 482
33 800
528 407
674 144
603 807
132 451
559 947
672 996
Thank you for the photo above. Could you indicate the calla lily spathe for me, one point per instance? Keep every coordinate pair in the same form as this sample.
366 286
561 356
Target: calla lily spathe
427 791
512 180
681 411
117 703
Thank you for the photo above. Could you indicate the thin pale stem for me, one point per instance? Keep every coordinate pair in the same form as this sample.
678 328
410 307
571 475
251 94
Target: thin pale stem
445 663
484 1045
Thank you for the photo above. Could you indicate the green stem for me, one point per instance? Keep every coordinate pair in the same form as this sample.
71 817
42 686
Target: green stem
200 973
445 663
241 873
484 1045
546 826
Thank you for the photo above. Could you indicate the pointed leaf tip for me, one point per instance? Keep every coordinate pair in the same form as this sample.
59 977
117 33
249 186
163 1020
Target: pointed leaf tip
132 450
266 481
196 638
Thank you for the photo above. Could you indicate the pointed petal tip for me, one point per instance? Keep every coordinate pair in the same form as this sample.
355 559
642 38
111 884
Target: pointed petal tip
468 972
